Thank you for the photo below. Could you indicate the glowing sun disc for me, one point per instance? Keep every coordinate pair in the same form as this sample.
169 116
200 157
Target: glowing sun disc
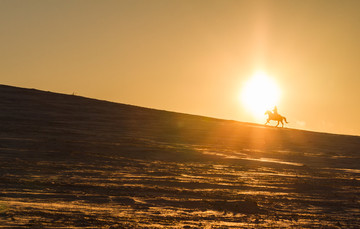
259 94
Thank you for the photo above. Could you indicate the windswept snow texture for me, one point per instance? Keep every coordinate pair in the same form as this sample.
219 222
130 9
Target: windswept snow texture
69 161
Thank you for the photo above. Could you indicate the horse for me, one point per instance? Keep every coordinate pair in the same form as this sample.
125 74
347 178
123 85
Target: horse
275 117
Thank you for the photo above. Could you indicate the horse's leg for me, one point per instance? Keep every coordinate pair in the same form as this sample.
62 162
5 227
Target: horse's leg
282 124
277 124
267 121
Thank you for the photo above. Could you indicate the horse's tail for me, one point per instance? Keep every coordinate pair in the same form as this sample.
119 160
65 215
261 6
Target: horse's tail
285 119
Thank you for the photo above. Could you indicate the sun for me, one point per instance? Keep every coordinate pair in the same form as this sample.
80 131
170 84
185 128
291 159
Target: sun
259 94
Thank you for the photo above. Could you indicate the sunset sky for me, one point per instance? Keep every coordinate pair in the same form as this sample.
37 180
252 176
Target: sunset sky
191 56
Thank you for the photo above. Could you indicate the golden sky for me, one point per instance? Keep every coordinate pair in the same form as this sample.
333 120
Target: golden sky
191 56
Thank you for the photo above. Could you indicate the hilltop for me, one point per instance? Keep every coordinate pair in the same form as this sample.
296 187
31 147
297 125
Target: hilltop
67 160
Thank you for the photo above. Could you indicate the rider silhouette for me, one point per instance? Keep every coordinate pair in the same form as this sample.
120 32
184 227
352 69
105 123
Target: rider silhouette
275 112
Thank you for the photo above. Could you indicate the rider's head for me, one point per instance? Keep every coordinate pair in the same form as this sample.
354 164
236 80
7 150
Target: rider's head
275 109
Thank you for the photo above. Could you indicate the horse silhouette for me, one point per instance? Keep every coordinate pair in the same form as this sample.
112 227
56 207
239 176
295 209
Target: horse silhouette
275 117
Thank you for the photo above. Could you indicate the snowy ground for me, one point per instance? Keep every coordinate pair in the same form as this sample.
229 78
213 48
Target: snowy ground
67 161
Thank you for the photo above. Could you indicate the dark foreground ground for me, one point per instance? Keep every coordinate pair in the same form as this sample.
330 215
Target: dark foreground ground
67 161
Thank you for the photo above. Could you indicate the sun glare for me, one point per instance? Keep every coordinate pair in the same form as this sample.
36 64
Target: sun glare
259 94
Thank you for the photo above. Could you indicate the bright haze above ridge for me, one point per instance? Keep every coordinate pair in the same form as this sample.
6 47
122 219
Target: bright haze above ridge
192 56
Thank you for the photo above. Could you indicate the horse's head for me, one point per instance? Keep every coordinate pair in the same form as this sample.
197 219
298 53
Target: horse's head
267 112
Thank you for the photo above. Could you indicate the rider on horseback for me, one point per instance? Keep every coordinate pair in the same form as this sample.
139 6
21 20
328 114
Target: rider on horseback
275 116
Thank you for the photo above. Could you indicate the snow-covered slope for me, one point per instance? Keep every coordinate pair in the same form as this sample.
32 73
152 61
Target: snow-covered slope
67 160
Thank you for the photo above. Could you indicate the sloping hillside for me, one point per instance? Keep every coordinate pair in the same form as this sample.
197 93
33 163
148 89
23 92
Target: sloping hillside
71 161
